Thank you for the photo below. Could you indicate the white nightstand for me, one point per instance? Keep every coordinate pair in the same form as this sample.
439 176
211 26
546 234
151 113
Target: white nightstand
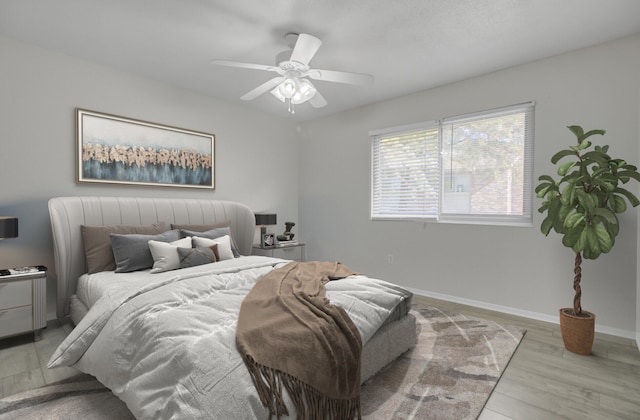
23 301
288 252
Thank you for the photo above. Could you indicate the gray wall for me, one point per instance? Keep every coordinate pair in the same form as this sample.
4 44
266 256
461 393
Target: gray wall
512 269
256 154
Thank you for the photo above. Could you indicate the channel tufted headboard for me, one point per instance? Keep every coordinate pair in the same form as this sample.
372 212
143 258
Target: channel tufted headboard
69 213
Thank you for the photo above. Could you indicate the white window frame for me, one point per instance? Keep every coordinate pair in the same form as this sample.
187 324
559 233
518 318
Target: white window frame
524 220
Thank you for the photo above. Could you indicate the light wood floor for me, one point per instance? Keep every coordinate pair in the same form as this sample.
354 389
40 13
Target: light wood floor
542 381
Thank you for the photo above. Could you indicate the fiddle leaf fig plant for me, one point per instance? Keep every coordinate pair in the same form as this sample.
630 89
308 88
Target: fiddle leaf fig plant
582 204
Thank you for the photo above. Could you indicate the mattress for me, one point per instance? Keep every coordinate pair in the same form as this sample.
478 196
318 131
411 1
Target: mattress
92 287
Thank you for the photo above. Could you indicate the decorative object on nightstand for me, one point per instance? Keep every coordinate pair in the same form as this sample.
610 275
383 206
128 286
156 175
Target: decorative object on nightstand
8 227
23 300
287 236
263 220
268 240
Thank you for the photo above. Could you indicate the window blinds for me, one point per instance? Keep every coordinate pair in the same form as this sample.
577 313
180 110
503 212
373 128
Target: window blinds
475 168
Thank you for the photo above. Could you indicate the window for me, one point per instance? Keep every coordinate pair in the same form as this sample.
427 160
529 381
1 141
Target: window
474 168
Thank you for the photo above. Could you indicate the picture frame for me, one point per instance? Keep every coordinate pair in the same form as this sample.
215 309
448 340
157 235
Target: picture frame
118 150
268 240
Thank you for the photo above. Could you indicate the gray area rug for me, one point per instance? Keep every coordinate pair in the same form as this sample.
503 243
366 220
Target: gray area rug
450 374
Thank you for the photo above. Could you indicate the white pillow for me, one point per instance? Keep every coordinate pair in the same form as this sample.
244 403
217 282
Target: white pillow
165 254
223 242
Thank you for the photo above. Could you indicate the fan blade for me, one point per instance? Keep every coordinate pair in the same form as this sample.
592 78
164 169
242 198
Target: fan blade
245 65
341 77
317 101
305 48
265 87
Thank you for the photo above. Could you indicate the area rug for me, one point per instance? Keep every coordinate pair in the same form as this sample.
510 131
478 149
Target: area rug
450 374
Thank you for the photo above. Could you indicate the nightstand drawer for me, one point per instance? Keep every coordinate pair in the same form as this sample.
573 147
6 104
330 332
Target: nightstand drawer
14 321
289 253
14 294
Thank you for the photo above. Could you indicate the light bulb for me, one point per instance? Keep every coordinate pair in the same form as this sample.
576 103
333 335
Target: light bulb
288 88
305 92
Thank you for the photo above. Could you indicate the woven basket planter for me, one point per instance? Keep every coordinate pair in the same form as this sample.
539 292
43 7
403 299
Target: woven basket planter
577 331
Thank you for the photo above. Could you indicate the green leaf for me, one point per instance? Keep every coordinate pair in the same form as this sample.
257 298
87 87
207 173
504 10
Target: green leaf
568 195
580 245
606 214
594 156
632 198
591 133
541 192
605 242
591 254
546 225
571 237
577 130
562 153
630 174
573 219
618 204
546 178
588 201
584 145
565 167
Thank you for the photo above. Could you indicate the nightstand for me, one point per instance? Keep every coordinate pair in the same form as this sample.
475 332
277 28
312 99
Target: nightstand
23 301
287 252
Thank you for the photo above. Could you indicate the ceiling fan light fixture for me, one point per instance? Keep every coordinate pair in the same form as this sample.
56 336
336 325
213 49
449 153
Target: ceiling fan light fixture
292 67
288 88
304 92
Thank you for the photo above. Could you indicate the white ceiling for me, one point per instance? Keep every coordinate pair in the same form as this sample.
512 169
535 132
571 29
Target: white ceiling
407 45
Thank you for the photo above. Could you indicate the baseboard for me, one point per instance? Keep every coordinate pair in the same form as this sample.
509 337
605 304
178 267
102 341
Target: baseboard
554 319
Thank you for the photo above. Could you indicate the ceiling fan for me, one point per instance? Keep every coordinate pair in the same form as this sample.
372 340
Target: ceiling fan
292 66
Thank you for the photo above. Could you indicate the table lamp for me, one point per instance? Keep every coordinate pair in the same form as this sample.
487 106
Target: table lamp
264 219
8 227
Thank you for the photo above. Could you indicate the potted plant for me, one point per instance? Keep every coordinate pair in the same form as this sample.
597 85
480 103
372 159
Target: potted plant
582 205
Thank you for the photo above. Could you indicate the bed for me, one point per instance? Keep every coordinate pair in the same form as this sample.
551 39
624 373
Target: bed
164 341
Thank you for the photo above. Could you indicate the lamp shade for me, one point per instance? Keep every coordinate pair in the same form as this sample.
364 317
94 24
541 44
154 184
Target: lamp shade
263 219
8 227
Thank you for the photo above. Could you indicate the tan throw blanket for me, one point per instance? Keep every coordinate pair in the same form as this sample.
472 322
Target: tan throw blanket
290 335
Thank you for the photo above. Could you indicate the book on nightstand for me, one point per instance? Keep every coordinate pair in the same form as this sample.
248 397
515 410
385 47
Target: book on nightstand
22 270
287 243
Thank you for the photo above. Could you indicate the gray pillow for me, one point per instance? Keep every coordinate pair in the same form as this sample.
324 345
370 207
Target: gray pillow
132 253
191 257
213 234
97 246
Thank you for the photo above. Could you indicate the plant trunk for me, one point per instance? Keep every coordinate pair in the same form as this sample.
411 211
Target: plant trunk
577 270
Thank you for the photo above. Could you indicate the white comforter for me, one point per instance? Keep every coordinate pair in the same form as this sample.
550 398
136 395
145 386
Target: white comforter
167 349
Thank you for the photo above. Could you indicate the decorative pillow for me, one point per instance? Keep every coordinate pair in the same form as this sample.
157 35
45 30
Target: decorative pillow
191 257
165 254
224 245
97 246
132 253
213 234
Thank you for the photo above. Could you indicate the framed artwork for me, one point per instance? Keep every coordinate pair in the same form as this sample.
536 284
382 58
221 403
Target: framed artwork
268 240
113 149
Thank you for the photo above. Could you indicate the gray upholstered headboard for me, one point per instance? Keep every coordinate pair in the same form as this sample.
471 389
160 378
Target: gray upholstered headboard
69 213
